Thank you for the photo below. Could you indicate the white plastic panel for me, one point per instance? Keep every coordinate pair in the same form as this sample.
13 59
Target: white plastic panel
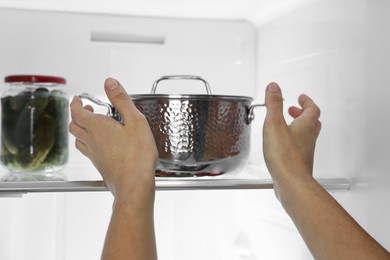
29 228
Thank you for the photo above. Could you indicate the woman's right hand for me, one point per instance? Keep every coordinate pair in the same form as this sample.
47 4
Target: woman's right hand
328 230
289 146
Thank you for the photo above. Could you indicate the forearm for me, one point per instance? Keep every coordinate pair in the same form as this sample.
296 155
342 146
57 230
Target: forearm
130 233
328 230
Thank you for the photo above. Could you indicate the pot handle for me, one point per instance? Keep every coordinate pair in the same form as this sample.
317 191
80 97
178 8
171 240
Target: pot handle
191 77
112 112
251 114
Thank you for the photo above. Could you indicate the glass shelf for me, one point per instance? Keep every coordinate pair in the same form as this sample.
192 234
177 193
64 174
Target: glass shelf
17 189
85 178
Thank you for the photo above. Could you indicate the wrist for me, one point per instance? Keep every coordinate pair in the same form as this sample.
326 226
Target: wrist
134 189
287 177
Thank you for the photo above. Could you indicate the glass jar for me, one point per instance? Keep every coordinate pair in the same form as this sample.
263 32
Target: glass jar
34 127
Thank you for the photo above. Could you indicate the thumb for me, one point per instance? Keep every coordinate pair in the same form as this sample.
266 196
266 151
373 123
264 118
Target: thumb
274 102
119 98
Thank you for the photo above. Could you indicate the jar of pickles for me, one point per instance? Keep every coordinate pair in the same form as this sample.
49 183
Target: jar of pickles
34 127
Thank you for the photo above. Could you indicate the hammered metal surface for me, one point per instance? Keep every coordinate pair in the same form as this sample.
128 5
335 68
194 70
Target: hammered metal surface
199 134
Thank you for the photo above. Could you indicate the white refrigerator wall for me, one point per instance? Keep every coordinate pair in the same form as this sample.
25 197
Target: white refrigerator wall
335 51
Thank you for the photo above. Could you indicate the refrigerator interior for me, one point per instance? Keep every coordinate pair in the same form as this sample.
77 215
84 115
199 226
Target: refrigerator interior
334 51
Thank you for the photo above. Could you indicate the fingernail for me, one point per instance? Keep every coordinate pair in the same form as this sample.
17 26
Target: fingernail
112 84
273 87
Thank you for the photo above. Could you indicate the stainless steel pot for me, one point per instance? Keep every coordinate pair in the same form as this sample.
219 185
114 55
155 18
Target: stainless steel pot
196 135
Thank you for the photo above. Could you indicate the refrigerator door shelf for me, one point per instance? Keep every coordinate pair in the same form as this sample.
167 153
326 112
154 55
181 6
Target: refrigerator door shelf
17 189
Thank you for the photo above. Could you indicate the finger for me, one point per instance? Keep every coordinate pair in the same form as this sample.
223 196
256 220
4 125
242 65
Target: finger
76 103
120 99
310 109
77 131
82 147
317 129
89 108
310 112
274 102
295 111
78 114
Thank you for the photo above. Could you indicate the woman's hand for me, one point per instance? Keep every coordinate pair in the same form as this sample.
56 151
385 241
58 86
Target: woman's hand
328 230
124 154
289 146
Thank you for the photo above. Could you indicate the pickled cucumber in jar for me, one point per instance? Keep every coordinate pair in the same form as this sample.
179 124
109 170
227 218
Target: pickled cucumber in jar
34 124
